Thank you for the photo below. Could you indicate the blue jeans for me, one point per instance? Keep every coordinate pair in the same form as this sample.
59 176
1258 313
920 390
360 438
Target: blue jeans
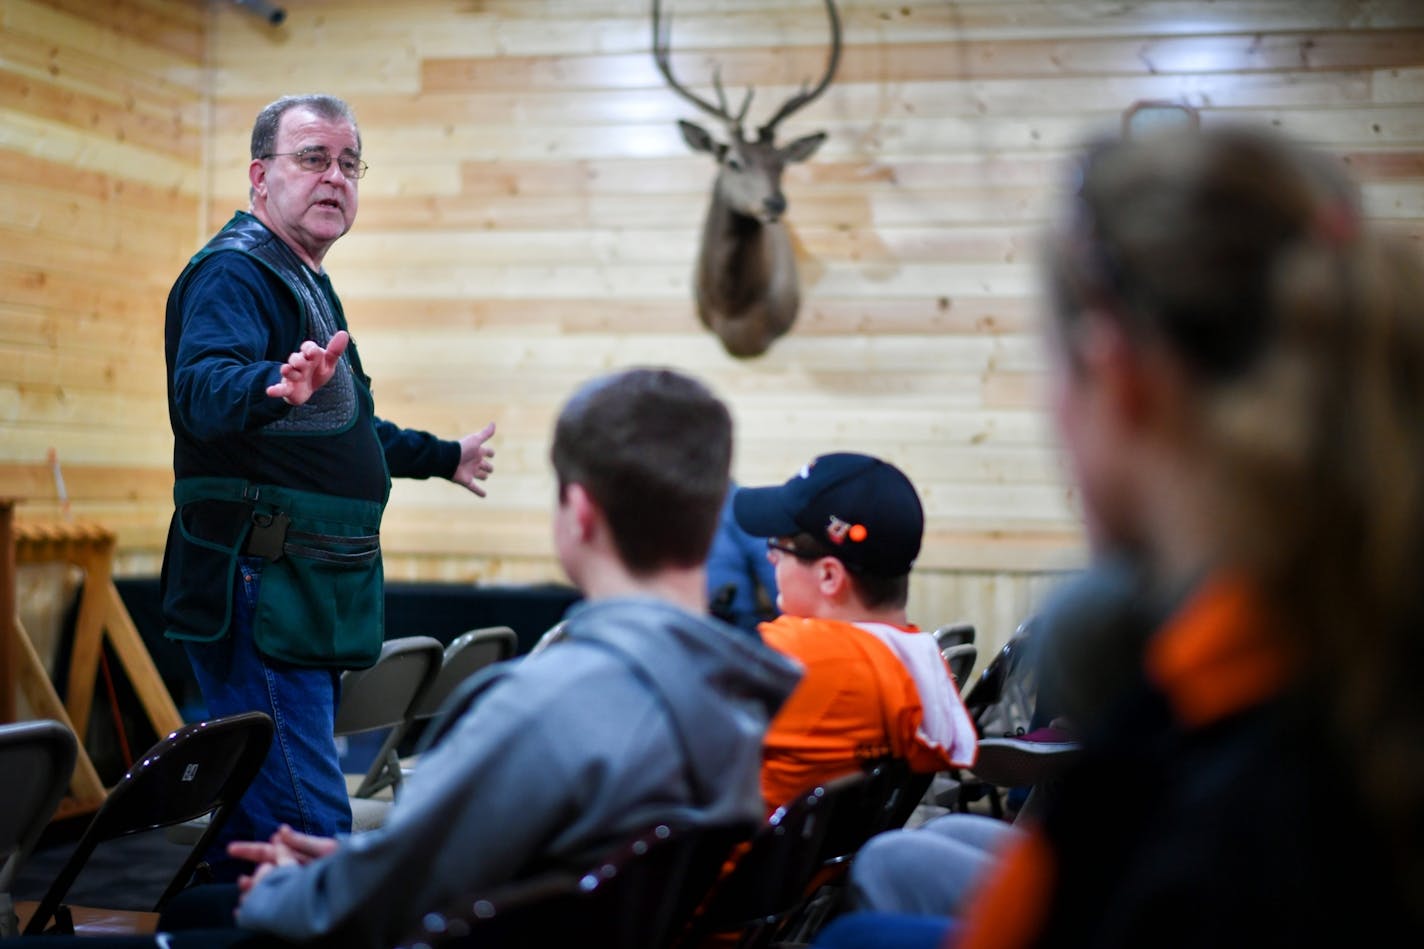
930 870
885 931
300 783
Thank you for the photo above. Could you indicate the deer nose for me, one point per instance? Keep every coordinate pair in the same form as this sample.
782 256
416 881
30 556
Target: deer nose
775 205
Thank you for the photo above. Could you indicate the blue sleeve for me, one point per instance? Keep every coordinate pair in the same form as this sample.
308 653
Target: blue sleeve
761 566
738 560
726 565
411 453
236 330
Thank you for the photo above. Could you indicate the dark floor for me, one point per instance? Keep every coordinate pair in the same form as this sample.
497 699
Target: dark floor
129 873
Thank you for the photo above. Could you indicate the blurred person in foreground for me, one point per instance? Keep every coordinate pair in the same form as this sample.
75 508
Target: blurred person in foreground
1238 380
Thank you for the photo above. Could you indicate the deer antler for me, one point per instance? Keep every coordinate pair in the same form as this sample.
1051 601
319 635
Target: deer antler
807 94
662 55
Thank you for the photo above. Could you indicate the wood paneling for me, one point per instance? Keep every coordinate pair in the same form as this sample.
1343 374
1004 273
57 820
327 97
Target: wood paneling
102 134
531 216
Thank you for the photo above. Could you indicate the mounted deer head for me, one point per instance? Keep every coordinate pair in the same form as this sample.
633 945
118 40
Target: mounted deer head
746 284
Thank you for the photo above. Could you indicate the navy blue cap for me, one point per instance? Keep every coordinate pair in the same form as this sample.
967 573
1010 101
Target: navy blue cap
864 510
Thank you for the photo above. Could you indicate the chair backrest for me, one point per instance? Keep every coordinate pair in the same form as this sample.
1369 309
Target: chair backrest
892 792
550 636
888 795
638 897
911 792
856 818
404 688
536 911
1001 701
36 762
381 696
954 634
199 769
467 654
644 894
960 658
771 878
1026 761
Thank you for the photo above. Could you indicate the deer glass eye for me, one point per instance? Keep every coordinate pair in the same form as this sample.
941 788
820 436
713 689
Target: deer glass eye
734 162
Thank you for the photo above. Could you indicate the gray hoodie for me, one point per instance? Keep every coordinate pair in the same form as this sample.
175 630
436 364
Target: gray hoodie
642 713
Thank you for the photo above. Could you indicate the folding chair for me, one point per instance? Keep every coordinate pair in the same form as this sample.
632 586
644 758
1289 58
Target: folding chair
202 768
533 912
381 697
1034 761
889 782
551 636
773 878
888 797
1001 702
960 658
954 634
467 654
638 897
36 759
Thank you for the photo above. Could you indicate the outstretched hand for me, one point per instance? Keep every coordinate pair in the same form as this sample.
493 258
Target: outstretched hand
475 465
308 369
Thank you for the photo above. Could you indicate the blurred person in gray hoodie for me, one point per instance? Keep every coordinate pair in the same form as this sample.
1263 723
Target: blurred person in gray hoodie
646 710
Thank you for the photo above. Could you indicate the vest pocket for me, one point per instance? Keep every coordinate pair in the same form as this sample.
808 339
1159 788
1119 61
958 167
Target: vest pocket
200 567
322 602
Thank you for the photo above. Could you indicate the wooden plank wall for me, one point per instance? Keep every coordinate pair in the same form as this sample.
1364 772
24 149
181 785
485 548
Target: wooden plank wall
531 216
103 127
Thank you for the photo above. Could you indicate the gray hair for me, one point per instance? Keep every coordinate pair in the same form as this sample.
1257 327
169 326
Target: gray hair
264 130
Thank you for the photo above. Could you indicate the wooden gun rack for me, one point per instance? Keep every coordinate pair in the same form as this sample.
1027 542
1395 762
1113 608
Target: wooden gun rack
101 615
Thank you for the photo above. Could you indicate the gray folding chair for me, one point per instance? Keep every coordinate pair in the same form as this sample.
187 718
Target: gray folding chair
960 659
381 697
36 761
551 636
467 654
373 698
954 634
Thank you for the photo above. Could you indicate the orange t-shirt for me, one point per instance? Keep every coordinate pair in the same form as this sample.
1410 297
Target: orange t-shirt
869 690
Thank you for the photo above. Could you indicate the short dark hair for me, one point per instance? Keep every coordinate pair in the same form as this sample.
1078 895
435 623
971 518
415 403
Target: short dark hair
874 592
653 448
264 130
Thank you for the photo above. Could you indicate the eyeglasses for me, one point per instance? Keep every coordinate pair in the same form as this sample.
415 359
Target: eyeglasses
316 159
775 543
807 555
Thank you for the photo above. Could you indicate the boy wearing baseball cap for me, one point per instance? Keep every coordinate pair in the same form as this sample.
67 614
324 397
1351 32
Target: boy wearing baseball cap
843 535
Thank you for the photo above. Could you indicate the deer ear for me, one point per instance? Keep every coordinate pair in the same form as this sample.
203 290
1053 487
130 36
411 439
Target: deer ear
803 148
696 137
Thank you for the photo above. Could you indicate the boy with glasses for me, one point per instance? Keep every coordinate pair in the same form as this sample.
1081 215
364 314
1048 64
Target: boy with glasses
843 535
